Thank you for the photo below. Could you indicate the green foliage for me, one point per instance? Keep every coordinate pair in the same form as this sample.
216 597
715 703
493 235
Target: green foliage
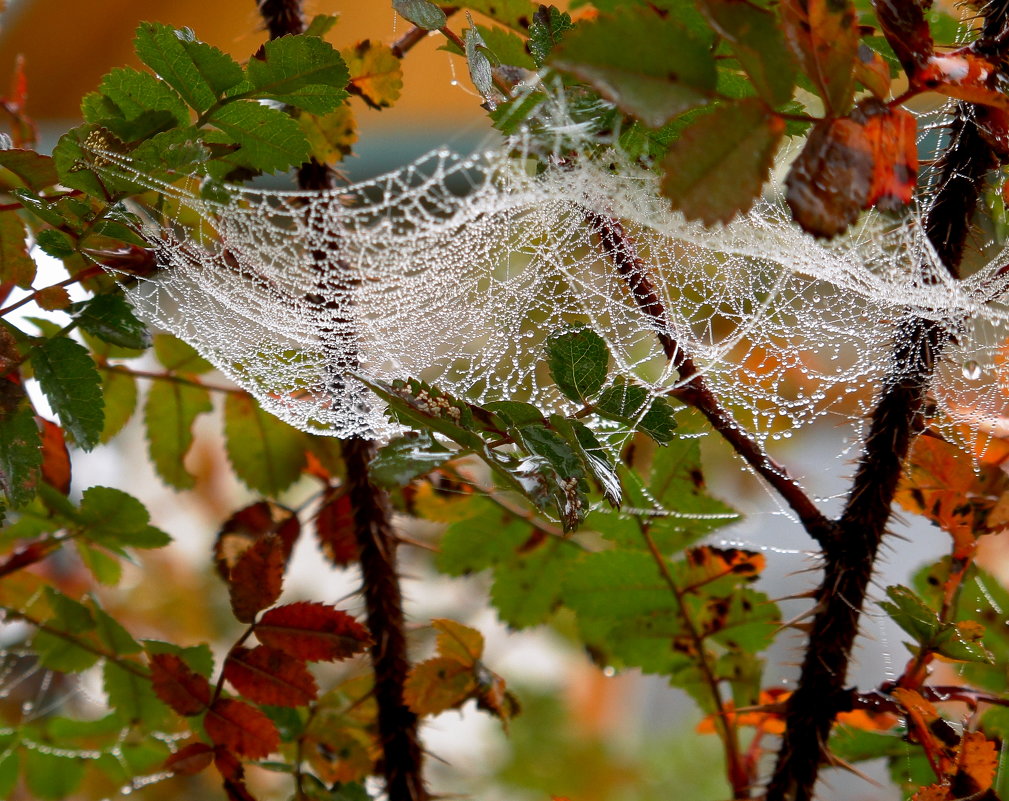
67 376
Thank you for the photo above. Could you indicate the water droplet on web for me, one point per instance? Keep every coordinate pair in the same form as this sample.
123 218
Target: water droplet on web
972 370
609 671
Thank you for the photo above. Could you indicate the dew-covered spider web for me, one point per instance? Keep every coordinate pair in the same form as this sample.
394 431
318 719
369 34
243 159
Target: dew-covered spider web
456 269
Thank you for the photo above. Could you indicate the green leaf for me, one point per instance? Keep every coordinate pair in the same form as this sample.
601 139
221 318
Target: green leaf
68 614
650 66
113 518
506 48
15 263
71 383
635 406
179 356
111 632
857 745
509 116
546 31
20 453
596 461
75 161
9 768
516 413
66 656
136 92
198 657
180 150
43 209
321 24
169 413
527 588
111 318
407 457
132 696
578 361
516 14
120 393
106 569
266 454
112 229
759 44
269 140
200 73
57 244
421 13
52 777
718 166
301 71
35 171
961 642
558 482
484 538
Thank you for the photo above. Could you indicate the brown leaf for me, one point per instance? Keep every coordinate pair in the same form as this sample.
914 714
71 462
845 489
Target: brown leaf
257 579
312 631
823 34
852 163
926 727
493 696
52 298
268 676
906 30
190 759
334 526
873 72
227 764
241 728
934 792
184 690
55 456
248 525
438 684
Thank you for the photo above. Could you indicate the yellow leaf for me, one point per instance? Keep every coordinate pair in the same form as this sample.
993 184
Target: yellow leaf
438 684
330 135
375 72
458 642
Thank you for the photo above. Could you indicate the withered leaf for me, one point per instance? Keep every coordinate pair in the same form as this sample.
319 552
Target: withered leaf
241 728
312 631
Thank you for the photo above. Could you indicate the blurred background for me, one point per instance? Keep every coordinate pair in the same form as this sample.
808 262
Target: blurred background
584 734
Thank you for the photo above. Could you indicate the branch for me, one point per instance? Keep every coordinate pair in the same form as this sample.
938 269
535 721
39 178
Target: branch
415 35
695 391
850 558
402 755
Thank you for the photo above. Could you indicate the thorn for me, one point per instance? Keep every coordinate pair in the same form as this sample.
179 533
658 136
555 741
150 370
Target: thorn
837 762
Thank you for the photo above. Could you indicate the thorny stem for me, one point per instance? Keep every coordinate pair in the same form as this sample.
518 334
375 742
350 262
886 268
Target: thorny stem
738 777
850 557
694 390
402 756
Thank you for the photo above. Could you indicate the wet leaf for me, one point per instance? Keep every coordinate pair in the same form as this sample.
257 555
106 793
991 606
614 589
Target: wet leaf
578 360
312 631
15 264
268 676
68 377
406 458
635 406
649 65
546 31
718 166
111 319
20 448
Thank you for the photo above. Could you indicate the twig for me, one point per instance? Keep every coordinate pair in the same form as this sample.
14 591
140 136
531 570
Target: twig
694 390
415 35
102 364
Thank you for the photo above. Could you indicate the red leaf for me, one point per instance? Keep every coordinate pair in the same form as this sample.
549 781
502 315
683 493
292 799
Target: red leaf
268 676
906 30
228 765
55 456
334 526
241 728
312 631
257 579
190 759
185 691
892 137
247 526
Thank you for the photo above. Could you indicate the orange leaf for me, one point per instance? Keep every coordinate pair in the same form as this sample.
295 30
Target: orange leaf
257 579
312 631
709 562
375 73
190 759
249 525
184 690
824 36
934 734
494 697
964 75
978 761
892 137
241 728
438 684
334 526
55 456
870 721
934 792
459 642
268 676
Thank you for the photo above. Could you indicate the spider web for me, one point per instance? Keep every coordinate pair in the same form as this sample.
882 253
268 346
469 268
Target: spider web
456 269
